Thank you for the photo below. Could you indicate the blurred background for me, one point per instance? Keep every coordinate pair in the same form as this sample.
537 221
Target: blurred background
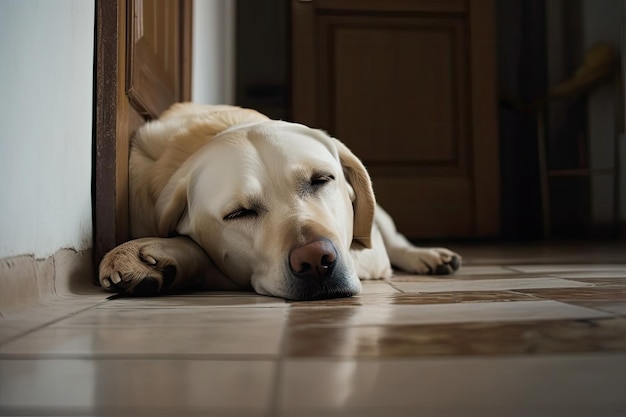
558 155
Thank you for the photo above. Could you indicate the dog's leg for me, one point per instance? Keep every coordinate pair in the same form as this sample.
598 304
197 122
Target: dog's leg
404 255
150 266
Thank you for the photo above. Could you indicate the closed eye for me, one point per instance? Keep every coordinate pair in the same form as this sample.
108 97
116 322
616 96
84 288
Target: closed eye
321 179
241 213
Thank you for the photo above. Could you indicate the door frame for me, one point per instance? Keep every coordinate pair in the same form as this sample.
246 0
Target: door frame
115 120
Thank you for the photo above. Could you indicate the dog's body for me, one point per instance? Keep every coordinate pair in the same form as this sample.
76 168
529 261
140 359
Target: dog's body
225 198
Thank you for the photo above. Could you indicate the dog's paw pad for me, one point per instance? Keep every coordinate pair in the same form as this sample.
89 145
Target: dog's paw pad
137 268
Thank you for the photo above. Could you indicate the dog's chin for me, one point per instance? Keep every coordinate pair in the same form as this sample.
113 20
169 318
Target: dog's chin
323 292
341 283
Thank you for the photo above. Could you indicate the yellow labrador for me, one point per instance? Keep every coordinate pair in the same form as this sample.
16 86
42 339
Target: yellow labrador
225 198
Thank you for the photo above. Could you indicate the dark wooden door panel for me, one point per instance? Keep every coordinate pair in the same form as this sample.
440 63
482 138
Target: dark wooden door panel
408 86
393 79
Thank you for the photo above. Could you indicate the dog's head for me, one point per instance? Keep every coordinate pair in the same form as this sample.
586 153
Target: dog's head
277 206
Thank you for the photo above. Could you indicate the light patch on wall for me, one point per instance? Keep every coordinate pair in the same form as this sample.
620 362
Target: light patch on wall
213 51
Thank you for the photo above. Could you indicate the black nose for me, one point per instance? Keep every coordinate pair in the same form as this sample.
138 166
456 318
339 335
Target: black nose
313 261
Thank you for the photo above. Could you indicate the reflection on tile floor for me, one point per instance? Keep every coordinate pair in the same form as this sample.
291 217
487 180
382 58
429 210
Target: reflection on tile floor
512 334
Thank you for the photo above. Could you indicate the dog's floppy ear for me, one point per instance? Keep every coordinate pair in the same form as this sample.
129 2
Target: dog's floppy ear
363 199
171 206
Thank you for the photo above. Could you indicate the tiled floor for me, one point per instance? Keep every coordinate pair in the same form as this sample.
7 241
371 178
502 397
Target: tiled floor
520 331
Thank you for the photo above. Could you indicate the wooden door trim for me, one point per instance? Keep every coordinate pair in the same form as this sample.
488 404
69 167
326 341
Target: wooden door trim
186 49
112 117
109 221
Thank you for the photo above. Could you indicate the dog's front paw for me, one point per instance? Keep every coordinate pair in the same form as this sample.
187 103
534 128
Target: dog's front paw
432 261
140 267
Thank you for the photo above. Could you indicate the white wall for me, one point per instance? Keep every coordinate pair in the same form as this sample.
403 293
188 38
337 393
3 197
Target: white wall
46 92
213 51
46 76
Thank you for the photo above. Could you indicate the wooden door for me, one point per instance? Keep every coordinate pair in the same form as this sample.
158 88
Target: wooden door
143 64
409 85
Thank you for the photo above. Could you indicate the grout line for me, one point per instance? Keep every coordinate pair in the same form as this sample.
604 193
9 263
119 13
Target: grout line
510 268
49 323
274 406
391 284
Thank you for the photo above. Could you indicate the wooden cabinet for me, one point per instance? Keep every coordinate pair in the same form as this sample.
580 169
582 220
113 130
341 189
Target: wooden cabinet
409 85
143 64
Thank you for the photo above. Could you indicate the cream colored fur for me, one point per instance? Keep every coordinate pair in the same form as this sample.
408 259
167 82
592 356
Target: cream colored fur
194 171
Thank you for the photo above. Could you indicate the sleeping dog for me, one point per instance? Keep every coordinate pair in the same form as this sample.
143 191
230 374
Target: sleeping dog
224 198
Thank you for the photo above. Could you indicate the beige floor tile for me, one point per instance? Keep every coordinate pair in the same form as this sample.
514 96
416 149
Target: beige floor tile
354 301
203 300
441 313
458 339
176 317
35 316
467 270
603 282
488 285
450 297
398 298
615 307
147 341
155 331
619 268
464 272
377 287
532 386
593 274
148 387
451 411
600 293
